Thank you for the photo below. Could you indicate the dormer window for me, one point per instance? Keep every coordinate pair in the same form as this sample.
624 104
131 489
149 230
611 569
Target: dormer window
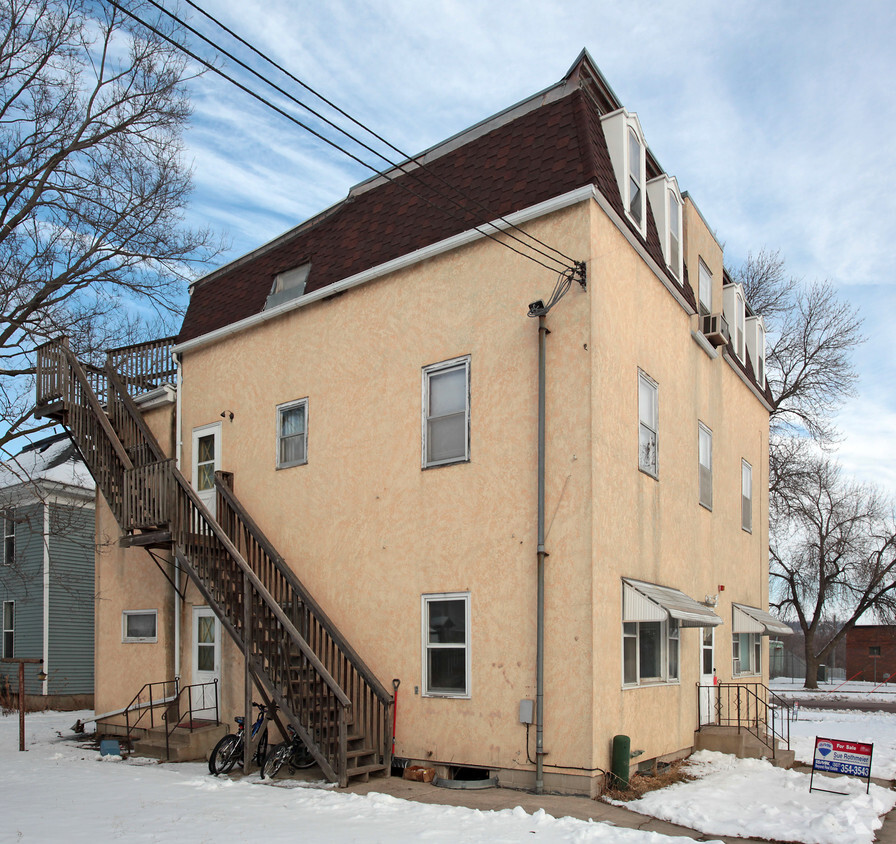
288 285
635 178
628 153
666 204
705 290
755 334
734 306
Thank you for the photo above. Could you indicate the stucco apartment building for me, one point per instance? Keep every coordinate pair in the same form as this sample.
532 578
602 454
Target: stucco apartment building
355 418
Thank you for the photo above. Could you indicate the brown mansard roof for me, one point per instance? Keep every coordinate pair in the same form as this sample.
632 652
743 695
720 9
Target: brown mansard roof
546 151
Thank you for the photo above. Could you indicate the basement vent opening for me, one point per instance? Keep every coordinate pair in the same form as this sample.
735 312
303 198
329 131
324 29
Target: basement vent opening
465 776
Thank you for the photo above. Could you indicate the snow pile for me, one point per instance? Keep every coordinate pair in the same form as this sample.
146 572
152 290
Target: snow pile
877 728
56 792
750 798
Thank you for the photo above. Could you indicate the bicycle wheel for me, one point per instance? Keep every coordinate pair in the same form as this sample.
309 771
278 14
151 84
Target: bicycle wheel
261 751
225 754
301 756
275 759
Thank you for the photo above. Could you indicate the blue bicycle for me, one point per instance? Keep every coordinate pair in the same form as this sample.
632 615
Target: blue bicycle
229 751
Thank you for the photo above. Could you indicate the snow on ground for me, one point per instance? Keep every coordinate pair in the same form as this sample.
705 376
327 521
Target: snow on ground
877 728
61 790
752 798
792 688
58 791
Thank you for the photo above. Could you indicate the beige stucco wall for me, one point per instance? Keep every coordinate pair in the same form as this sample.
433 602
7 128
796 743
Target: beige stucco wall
369 532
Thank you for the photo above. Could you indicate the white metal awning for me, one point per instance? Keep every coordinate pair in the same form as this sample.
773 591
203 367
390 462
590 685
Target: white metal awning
649 602
752 620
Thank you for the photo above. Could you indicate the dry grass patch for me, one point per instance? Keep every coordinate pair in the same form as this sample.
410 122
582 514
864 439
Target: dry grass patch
641 783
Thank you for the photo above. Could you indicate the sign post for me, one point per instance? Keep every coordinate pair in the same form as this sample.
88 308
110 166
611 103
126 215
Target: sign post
851 758
21 662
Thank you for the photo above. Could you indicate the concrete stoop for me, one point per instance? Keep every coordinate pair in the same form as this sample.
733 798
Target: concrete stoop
183 745
742 744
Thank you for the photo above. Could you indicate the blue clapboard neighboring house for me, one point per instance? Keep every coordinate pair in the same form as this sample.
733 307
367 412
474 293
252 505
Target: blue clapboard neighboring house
47 572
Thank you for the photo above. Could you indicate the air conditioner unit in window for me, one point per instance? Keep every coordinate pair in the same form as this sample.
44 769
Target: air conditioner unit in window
715 327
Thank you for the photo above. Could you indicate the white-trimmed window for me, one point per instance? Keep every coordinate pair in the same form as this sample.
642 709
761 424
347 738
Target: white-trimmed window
704 453
746 496
674 251
760 355
446 412
648 424
634 203
705 289
650 652
739 317
9 539
446 644
746 653
9 629
139 626
292 433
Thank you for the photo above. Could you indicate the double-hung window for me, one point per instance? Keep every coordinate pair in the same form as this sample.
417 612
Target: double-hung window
746 496
650 652
9 628
705 290
648 424
139 626
704 451
746 653
446 412
292 433
446 644
9 539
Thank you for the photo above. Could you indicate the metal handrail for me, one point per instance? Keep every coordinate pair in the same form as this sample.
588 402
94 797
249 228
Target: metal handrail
752 707
175 707
148 706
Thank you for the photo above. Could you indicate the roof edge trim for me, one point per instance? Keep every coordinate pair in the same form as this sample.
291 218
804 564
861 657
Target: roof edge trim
557 203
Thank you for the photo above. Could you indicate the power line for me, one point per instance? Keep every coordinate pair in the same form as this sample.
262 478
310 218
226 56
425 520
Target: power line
351 137
208 65
322 98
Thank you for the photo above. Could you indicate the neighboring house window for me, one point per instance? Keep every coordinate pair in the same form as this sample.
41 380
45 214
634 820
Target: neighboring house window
674 252
635 179
446 412
139 626
650 652
446 644
292 434
9 539
705 293
746 496
704 449
739 317
9 627
874 650
746 652
648 419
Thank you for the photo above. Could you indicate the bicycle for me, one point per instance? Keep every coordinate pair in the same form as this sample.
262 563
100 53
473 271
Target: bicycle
229 751
291 753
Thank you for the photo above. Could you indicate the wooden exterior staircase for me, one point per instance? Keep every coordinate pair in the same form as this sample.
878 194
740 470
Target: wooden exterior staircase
295 655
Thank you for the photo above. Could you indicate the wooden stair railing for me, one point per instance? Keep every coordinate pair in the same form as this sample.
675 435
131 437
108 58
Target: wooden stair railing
262 605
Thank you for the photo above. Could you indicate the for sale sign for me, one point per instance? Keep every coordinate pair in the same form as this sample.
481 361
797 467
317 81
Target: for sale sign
834 756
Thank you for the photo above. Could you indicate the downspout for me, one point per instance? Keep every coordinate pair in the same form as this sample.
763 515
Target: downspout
539 633
46 577
178 447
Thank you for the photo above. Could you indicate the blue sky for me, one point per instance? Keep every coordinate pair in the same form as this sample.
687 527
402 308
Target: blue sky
775 117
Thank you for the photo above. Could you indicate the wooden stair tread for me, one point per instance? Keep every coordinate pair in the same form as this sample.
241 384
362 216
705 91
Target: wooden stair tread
365 769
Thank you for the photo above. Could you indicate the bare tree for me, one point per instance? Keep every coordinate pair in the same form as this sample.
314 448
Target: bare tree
812 334
833 555
93 187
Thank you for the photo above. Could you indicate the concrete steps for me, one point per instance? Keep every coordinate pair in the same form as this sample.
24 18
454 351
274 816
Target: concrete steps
183 745
742 744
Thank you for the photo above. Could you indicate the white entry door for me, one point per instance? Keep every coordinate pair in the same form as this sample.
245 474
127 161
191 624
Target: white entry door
206 461
708 689
206 662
